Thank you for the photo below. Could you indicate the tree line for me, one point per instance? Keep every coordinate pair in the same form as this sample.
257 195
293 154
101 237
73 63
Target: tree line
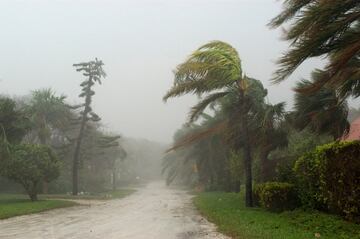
41 133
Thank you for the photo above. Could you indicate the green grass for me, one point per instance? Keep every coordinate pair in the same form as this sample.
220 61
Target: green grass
12 205
227 211
94 196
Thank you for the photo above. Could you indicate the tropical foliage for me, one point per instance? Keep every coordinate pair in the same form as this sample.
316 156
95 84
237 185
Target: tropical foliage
322 28
328 178
242 118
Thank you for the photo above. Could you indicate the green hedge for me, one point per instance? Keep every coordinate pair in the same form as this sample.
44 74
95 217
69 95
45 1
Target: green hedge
275 196
329 178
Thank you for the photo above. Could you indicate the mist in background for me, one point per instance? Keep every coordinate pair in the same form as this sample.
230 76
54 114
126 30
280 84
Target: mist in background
140 42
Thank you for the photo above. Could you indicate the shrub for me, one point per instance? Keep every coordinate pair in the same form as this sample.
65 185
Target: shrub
31 164
257 190
307 181
276 196
329 178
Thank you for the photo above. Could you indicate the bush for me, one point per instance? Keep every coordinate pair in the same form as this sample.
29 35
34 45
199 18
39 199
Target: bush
29 165
329 178
276 196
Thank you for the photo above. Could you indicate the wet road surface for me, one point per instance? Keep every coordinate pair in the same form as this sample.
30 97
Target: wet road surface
153 212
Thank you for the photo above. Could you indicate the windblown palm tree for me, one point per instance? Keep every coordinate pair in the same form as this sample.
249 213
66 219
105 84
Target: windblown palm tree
323 111
214 70
271 135
322 28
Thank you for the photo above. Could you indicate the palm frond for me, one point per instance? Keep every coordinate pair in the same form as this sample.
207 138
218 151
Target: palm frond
213 66
193 137
203 104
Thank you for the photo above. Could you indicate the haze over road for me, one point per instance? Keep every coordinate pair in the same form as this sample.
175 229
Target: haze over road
153 212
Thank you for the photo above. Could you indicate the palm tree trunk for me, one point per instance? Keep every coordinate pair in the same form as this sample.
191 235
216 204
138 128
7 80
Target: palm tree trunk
246 146
248 166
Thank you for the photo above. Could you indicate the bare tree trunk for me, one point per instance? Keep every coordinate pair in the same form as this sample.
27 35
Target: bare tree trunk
114 179
45 187
42 139
75 180
32 191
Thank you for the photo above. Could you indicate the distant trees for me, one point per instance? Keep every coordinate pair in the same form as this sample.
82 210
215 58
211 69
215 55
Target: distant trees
93 71
42 130
13 121
47 112
26 164
197 159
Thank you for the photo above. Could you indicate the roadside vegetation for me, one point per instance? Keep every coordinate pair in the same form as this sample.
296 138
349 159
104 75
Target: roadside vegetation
288 160
12 205
227 210
49 148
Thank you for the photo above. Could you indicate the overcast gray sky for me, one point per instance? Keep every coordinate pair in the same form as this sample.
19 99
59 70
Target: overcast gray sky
140 42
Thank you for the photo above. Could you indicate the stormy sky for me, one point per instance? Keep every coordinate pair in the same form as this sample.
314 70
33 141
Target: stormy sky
140 42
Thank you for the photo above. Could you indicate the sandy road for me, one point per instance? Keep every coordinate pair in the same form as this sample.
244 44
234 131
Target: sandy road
153 212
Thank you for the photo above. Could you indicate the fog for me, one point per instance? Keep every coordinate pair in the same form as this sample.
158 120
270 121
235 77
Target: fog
140 42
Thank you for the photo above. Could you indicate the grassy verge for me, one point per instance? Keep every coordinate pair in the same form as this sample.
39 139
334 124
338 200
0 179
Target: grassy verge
12 205
94 196
227 211
15 205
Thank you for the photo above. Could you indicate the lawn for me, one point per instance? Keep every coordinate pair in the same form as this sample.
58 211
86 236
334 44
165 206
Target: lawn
12 205
227 211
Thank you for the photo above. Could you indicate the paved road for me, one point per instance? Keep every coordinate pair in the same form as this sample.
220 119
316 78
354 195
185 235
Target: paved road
153 212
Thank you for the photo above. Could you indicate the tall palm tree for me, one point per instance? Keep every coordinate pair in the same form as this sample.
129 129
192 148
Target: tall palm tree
215 70
321 28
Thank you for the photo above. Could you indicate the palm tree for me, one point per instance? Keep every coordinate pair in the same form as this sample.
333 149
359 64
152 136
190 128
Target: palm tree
204 160
47 112
323 111
272 134
215 70
322 28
